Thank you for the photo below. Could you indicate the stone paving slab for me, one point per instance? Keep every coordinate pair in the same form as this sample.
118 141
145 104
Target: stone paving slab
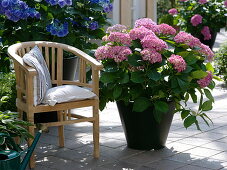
186 149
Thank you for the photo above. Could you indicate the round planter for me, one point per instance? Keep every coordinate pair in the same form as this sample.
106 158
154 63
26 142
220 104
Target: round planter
71 68
142 132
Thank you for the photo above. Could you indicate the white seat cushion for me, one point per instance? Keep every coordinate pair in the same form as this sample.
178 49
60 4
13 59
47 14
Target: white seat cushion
66 93
42 82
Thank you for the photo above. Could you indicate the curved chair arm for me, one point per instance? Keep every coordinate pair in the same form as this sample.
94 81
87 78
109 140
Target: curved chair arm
12 54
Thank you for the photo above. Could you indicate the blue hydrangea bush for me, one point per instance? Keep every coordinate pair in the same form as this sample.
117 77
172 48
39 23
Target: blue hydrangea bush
73 22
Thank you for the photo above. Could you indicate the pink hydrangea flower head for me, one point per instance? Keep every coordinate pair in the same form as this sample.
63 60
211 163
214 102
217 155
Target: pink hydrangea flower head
178 62
225 3
204 82
103 52
120 37
173 11
120 53
202 1
151 55
117 28
139 33
196 20
206 51
166 29
206 33
147 23
188 39
153 42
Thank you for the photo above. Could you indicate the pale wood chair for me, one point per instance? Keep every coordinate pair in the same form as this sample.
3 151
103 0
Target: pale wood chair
53 53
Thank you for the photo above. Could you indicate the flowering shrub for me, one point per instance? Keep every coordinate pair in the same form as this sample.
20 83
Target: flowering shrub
201 18
73 22
151 65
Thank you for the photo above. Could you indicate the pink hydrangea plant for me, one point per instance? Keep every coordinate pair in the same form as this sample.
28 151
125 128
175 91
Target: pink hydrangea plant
173 11
119 37
186 38
178 62
196 20
206 33
147 23
140 33
204 82
166 29
151 55
153 42
202 1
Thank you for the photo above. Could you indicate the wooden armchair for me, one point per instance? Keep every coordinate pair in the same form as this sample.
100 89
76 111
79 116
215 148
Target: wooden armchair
53 54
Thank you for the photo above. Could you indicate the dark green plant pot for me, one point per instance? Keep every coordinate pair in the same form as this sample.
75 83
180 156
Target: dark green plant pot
142 132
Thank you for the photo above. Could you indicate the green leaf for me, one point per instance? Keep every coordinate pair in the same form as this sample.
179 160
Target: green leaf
124 79
107 77
183 85
202 116
135 93
161 106
190 59
117 92
217 78
207 105
141 104
208 94
209 67
199 74
193 96
184 114
2 140
137 77
211 85
134 60
154 75
186 97
189 121
188 69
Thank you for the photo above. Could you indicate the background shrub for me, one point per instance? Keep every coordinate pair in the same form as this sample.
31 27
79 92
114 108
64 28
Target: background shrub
8 92
73 22
221 61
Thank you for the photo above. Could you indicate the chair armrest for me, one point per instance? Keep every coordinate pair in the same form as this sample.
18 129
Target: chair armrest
94 63
18 60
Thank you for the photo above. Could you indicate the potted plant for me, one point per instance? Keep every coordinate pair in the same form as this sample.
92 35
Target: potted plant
151 70
201 18
10 125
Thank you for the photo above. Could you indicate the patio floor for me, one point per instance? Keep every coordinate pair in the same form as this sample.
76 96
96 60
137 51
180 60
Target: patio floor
185 149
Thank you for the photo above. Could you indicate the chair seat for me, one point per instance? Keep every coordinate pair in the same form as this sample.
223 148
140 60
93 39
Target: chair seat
66 93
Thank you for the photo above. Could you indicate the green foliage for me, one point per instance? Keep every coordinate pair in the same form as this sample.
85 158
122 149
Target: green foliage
9 124
8 91
213 13
221 61
79 16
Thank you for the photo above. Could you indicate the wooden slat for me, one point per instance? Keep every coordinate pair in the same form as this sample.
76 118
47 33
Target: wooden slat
59 66
69 122
126 12
53 63
152 9
47 57
23 52
64 106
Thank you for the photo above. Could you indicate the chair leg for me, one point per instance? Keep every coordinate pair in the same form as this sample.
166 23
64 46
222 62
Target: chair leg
61 130
96 131
31 130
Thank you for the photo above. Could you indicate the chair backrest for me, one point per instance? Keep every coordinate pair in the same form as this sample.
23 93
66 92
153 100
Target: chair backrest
53 53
